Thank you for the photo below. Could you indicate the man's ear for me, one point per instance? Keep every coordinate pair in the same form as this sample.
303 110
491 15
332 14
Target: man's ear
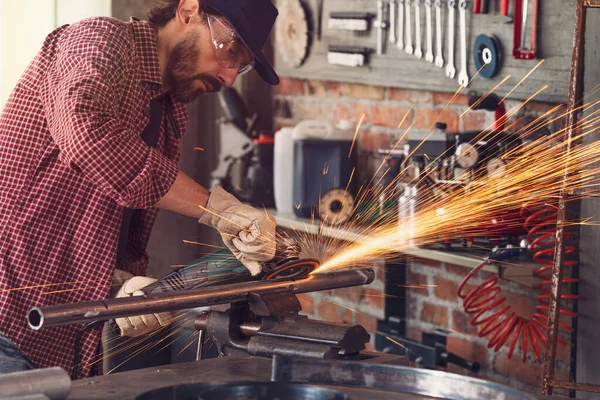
187 12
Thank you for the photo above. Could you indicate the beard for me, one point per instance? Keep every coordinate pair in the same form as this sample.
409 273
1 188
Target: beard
184 58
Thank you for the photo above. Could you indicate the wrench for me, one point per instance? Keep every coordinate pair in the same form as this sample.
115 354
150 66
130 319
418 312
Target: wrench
408 48
450 70
418 50
392 21
400 41
463 76
429 34
439 57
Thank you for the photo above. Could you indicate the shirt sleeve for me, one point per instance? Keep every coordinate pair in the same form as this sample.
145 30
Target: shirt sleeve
82 94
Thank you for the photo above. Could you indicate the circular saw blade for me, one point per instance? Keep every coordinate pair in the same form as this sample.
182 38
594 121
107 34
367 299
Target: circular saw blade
291 32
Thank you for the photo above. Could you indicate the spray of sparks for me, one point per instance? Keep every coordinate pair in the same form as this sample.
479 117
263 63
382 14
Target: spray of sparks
538 171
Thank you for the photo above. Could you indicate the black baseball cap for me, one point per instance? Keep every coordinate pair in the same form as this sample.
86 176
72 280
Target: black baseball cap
252 21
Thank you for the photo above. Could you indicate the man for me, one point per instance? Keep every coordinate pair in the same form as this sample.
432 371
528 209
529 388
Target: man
88 154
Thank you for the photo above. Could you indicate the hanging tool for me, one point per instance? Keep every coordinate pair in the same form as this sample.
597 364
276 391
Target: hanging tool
520 49
429 33
348 56
291 33
408 47
319 19
487 55
463 76
393 25
504 7
481 6
439 57
381 26
418 49
450 69
400 41
357 22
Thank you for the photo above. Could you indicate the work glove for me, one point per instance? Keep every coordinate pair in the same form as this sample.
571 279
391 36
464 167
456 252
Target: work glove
248 232
140 324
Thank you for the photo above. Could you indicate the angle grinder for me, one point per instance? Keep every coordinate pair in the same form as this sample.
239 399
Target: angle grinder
286 264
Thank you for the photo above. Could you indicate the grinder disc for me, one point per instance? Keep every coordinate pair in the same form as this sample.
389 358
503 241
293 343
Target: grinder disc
486 54
294 269
291 32
336 207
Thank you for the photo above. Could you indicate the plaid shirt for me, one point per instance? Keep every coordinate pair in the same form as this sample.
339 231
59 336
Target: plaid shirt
71 159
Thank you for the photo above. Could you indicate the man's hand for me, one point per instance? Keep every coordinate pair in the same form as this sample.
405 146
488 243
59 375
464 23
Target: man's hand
141 324
248 232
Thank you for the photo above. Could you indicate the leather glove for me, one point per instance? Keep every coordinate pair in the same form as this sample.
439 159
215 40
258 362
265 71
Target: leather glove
141 324
248 232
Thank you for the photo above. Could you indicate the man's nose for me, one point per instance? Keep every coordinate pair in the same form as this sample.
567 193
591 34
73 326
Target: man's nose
227 76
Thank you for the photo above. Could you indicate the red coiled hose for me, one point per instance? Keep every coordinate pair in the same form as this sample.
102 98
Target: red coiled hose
502 323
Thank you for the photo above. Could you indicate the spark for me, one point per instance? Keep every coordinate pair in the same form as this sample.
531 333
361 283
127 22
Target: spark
362 117
198 148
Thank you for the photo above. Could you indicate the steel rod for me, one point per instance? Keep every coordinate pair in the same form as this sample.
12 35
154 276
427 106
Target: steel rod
575 96
586 387
65 314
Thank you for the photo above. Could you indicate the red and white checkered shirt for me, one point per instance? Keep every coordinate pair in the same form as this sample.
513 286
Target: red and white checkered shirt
71 159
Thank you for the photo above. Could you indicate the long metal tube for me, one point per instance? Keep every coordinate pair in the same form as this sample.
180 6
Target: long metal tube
48 383
65 314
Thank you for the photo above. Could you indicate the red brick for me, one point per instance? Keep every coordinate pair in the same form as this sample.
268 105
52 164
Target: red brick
411 96
529 372
539 107
446 289
523 306
308 303
324 88
370 141
468 350
413 333
427 118
391 116
474 121
375 298
435 314
359 91
461 322
414 278
444 99
290 86
366 321
333 313
351 294
309 108
351 111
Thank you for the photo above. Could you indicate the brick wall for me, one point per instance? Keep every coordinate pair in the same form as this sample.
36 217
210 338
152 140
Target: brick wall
437 306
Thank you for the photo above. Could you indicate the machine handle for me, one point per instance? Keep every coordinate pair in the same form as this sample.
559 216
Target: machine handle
452 358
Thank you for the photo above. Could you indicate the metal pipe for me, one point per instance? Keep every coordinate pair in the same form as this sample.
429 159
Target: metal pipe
575 96
65 314
48 383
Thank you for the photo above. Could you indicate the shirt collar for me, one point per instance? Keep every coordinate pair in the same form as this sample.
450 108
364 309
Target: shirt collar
147 49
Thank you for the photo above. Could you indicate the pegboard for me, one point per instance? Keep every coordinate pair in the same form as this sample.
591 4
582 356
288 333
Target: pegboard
395 68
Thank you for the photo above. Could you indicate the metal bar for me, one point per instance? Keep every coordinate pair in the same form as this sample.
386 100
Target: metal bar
65 314
575 96
585 387
591 3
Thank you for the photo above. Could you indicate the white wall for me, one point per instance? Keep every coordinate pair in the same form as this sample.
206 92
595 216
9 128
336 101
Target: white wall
24 25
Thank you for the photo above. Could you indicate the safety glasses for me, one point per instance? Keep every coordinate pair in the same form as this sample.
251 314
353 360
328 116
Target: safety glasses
229 49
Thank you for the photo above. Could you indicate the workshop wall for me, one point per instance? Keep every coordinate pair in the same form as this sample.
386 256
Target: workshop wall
432 307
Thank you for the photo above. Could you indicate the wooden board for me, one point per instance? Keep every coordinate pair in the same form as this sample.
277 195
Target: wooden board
395 68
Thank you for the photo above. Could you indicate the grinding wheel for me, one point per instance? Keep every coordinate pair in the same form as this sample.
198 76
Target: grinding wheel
336 207
294 269
291 32
487 54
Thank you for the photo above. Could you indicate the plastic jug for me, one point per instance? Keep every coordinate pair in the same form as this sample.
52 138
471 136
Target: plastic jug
312 129
283 174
